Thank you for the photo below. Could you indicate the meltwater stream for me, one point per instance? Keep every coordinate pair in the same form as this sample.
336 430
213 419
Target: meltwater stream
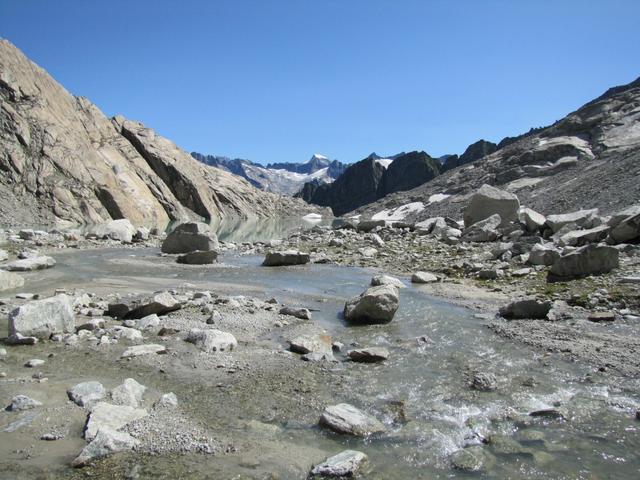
435 347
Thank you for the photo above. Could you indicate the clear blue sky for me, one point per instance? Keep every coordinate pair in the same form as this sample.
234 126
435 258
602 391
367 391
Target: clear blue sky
280 80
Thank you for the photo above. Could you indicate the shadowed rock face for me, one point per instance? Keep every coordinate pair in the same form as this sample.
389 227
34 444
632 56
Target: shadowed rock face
63 160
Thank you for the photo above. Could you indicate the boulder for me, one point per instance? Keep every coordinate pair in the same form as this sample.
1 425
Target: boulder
587 260
128 393
43 318
189 237
111 416
347 419
167 400
616 218
484 382
485 230
368 225
368 354
583 237
140 307
344 464
22 402
582 218
121 230
311 344
106 442
489 201
543 254
9 281
386 280
85 393
526 308
198 257
149 321
212 340
301 313
286 258
532 220
626 230
423 277
375 305
139 350
29 264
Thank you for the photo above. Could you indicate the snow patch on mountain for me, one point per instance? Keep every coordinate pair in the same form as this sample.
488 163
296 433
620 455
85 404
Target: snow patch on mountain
385 162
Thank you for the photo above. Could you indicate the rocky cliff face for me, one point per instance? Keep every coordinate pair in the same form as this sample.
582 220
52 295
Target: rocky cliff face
589 159
474 152
63 160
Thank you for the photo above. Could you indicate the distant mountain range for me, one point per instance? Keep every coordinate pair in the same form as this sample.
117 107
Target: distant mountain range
283 178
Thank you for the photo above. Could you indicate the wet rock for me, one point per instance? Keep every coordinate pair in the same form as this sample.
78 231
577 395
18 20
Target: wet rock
582 218
285 258
106 442
386 280
128 393
301 313
189 237
121 230
543 254
198 257
483 231
29 264
598 317
549 413
423 277
504 445
34 363
587 260
471 459
9 281
484 382
311 343
167 400
347 419
212 340
375 305
489 201
526 308
368 355
85 393
139 350
140 307
22 402
110 416
344 464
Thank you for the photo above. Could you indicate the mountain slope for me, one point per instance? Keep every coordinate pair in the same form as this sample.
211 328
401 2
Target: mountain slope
62 159
589 159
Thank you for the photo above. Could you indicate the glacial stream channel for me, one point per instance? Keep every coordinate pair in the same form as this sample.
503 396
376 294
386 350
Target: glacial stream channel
421 393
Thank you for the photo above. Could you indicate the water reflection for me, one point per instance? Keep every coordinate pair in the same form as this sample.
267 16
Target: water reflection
262 229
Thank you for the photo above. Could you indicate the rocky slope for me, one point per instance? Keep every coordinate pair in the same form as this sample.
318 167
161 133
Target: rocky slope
63 160
284 178
589 159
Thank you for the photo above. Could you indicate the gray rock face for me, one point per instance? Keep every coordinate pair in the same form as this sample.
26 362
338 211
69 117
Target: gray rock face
190 237
545 254
212 340
587 260
106 442
488 201
618 217
582 218
627 229
344 464
485 230
43 318
128 393
526 308
198 258
9 281
375 305
583 237
110 416
347 419
368 354
139 350
85 393
121 230
285 258
22 402
29 264
423 277
311 344
386 280
532 220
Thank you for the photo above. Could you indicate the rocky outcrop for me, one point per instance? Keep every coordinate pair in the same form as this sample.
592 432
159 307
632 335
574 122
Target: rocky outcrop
474 152
63 160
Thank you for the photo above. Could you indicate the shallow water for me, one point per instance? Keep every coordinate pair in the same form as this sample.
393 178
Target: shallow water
434 345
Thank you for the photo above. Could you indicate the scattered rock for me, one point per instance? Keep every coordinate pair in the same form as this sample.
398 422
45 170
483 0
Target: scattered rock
140 307
22 402
139 350
347 419
189 237
301 313
198 257
286 258
85 393
368 354
483 231
543 254
344 464
375 305
212 340
311 344
627 230
110 416
29 264
532 220
42 318
526 308
149 321
106 442
128 393
423 277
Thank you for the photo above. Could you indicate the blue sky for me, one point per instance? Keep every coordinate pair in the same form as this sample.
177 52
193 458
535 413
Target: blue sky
281 80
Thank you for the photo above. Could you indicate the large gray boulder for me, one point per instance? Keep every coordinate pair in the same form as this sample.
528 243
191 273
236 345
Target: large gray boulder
139 307
9 281
285 258
43 318
344 464
423 277
616 218
626 230
212 340
121 230
85 393
111 416
29 264
532 220
347 419
198 257
582 218
375 305
526 308
106 442
587 260
485 230
189 237
578 238
543 254
488 201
